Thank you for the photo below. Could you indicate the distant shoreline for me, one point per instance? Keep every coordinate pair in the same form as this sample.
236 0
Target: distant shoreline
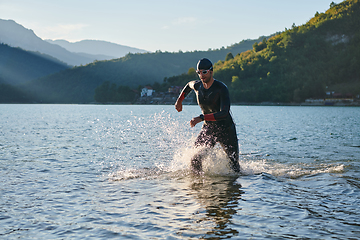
304 104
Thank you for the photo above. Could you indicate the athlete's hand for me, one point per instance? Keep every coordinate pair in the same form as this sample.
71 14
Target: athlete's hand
178 106
195 121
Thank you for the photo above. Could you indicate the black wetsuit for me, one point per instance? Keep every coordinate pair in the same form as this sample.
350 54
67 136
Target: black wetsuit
219 125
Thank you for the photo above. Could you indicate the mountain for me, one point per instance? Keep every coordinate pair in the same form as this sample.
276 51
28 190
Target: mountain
15 35
101 49
18 66
77 85
303 62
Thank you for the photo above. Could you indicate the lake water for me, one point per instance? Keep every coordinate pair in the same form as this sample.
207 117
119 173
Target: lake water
122 172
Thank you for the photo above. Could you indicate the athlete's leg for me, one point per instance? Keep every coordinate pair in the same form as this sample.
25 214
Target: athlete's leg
229 141
204 141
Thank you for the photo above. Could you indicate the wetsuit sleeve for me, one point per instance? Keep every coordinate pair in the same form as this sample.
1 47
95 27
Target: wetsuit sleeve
186 90
224 107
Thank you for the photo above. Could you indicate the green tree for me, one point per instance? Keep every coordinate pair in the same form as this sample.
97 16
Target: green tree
255 46
102 92
192 72
229 56
106 93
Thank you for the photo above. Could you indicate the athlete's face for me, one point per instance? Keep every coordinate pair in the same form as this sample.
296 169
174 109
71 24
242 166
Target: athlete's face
204 75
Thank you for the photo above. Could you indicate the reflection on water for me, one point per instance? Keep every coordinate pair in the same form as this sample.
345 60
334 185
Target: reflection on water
219 196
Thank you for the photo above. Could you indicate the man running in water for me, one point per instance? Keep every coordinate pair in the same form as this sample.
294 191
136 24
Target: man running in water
214 101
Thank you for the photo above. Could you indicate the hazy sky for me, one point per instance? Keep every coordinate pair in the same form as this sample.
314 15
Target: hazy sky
164 25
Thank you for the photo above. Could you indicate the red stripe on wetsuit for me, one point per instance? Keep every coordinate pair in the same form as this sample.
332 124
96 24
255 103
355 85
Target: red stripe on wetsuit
209 117
182 96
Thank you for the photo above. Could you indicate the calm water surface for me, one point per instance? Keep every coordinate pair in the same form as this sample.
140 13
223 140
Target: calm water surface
102 172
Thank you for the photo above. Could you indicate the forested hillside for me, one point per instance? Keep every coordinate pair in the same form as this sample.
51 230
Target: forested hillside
18 66
77 85
302 62
11 94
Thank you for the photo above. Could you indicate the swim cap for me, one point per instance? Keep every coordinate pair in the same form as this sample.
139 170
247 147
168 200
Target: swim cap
204 64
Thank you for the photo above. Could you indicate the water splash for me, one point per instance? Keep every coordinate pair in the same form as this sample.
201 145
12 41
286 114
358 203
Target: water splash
169 149
215 162
293 171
